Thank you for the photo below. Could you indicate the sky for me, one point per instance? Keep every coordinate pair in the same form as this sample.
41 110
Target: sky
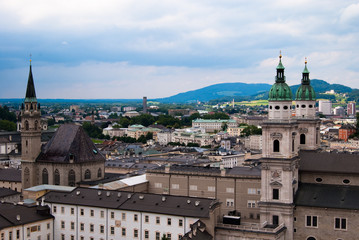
129 49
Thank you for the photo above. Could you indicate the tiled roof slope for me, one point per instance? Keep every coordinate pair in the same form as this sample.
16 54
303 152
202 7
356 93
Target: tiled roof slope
9 213
70 140
327 196
145 202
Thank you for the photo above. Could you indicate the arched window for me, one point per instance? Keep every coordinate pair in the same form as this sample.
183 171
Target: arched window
36 123
302 138
45 176
99 173
57 177
26 125
292 145
311 238
87 174
276 145
26 178
72 178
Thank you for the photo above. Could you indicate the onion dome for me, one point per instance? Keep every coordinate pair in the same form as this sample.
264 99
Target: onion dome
280 91
305 92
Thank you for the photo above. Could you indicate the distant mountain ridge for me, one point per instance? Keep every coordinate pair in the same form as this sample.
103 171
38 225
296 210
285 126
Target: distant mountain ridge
246 91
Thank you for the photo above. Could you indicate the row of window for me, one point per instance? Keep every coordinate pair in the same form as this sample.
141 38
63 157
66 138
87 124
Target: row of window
71 176
290 107
339 223
195 187
146 234
345 181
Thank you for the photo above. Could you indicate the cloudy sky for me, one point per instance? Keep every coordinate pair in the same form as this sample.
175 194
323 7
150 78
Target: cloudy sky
130 49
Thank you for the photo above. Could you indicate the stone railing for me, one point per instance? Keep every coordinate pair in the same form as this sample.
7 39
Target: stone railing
253 227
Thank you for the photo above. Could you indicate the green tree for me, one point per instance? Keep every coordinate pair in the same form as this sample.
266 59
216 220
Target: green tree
125 122
251 130
7 125
164 237
5 114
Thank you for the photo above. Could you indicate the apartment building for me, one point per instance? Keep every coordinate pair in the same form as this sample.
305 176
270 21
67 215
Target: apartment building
97 214
212 125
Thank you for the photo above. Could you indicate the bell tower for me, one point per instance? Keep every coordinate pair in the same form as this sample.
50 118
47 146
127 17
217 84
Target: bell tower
279 174
30 133
309 124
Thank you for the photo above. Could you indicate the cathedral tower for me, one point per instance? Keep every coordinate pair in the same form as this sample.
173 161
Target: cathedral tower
279 174
30 131
309 124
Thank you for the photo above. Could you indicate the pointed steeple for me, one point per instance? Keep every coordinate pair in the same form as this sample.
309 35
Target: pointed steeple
305 74
30 90
280 78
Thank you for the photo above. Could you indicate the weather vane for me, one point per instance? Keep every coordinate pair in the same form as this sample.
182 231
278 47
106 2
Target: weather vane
30 58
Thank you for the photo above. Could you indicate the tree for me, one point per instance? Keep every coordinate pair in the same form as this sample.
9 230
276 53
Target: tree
164 237
251 130
5 114
224 126
7 125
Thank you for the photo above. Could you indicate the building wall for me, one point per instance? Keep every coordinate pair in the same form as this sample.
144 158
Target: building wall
16 186
325 228
35 230
233 192
68 223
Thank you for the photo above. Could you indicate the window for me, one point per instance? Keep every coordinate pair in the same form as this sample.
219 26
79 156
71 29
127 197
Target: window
91 227
251 204
276 145
340 223
57 177
302 138
277 107
62 236
179 236
158 185
62 224
135 217
169 221
48 226
230 190
211 189
82 226
99 173
318 179
87 174
72 178
311 238
346 181
175 186
146 234
158 236
45 176
81 211
169 236
180 222
91 213
112 230
102 229
102 214
72 211
252 191
54 209
158 221
62 210
72 225
146 219
10 235
123 216
275 193
135 233
230 202
311 221
123 231
285 107
112 215
193 187
275 219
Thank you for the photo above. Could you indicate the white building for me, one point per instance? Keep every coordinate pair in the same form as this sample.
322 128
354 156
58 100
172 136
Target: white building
114 132
231 161
164 137
339 111
24 222
325 107
96 214
191 135
253 142
212 125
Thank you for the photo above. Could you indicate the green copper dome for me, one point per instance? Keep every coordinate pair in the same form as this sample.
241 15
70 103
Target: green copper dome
280 91
305 92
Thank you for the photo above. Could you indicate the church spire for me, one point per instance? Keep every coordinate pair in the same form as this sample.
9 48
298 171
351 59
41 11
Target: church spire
305 74
30 90
280 78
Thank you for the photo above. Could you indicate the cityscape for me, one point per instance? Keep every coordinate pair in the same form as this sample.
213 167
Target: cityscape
216 141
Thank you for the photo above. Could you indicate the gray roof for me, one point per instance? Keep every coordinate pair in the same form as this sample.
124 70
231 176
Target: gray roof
10 175
329 162
327 196
144 202
5 192
70 139
9 212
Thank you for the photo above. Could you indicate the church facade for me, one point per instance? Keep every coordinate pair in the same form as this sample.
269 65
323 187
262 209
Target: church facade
67 159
